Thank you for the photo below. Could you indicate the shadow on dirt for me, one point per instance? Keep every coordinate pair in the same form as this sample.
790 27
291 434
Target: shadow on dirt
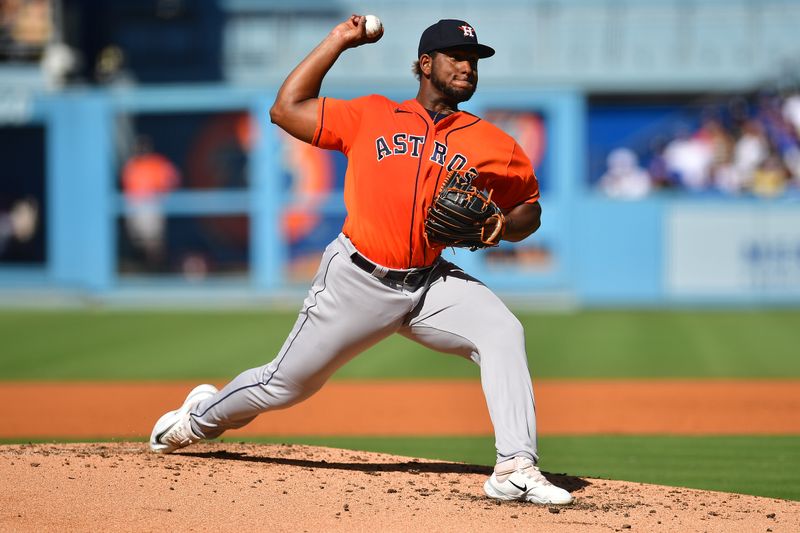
570 483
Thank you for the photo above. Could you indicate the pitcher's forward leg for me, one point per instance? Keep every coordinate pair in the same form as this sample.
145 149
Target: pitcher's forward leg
462 316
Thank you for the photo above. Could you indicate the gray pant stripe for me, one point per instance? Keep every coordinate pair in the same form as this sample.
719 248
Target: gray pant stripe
283 355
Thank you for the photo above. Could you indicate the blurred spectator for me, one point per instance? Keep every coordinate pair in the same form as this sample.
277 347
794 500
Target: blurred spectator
721 143
729 180
750 151
690 159
19 223
742 146
781 134
58 62
792 161
625 179
770 178
146 176
25 28
787 120
791 112
713 133
734 174
194 266
110 68
660 175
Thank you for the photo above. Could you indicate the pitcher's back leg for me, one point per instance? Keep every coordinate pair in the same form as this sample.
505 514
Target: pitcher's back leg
345 312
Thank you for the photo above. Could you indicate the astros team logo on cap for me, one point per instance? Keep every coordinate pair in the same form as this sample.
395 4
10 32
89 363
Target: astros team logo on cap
468 30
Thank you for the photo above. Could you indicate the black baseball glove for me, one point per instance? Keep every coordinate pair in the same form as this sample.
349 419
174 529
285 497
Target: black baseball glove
463 216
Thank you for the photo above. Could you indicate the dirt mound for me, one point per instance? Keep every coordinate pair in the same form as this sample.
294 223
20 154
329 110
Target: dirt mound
229 487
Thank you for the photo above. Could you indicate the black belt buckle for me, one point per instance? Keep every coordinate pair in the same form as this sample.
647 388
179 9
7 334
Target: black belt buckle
416 278
408 279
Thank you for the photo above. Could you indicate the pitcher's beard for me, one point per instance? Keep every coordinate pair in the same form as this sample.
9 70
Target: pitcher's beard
457 95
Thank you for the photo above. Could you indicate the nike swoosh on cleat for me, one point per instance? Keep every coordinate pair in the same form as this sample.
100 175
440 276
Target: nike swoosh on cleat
158 437
523 488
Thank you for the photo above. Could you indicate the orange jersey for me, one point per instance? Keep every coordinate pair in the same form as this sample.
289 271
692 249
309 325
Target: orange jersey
397 158
148 175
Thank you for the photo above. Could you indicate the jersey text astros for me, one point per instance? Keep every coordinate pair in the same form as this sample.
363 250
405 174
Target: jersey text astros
395 149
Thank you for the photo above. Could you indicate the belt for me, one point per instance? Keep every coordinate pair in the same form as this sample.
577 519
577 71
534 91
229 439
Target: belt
414 278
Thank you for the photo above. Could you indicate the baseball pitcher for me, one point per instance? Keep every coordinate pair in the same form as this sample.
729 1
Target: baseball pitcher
421 176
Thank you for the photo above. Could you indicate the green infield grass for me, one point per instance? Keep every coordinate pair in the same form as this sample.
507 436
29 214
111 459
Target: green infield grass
761 466
164 345
210 345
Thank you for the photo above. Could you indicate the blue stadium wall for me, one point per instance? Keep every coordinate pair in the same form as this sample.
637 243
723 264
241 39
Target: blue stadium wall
591 250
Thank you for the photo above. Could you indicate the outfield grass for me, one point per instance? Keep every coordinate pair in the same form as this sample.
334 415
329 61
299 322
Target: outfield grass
116 345
761 466
200 346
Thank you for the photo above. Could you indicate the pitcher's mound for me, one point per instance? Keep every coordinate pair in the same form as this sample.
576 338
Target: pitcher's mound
250 487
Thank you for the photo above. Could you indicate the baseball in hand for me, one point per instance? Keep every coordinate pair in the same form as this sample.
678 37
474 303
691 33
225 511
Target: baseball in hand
373 25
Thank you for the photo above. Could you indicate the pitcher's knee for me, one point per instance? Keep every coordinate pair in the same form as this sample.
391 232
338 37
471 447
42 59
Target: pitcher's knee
515 329
500 342
280 393
508 330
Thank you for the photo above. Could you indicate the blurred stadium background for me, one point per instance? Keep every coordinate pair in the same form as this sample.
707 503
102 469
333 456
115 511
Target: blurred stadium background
139 161
139 169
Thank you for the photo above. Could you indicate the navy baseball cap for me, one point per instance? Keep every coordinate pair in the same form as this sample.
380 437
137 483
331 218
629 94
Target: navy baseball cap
449 33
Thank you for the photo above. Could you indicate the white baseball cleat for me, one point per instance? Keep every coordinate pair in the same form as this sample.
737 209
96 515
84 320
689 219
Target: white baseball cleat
173 430
520 479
